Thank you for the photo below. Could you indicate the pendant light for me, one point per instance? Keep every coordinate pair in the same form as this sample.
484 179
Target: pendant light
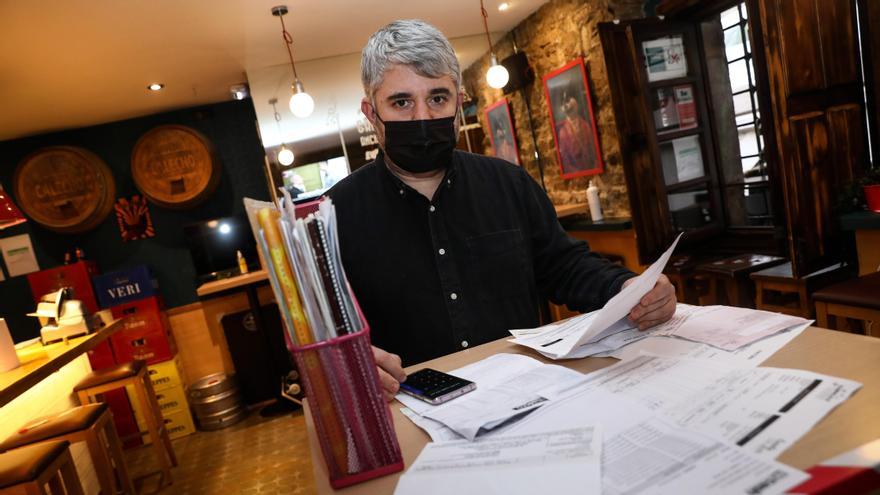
497 75
301 103
285 155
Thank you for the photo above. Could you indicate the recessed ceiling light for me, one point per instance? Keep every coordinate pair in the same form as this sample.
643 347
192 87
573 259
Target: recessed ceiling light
155 86
503 6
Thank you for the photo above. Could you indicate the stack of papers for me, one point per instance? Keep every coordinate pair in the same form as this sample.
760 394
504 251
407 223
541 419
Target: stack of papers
538 462
508 386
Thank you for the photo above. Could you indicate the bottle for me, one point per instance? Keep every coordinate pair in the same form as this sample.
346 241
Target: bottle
68 258
593 199
242 264
80 255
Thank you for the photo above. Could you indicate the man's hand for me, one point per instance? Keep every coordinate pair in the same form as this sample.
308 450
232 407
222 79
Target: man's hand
390 372
656 307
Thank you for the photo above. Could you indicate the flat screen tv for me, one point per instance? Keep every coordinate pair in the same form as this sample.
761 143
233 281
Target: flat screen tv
213 244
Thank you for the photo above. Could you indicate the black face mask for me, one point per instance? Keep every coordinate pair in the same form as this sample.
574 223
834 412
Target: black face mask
419 146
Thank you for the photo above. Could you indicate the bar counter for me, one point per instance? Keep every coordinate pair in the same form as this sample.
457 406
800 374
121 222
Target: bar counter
39 361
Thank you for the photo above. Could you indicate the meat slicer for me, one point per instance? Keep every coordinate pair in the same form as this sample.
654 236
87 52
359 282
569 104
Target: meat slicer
61 317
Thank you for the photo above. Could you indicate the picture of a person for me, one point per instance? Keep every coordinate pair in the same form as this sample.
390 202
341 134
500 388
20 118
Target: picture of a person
574 133
504 147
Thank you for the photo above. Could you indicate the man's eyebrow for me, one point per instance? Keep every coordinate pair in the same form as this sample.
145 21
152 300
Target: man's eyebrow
441 91
400 95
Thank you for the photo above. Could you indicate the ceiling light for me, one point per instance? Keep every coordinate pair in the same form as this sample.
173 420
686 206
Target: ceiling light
155 86
497 75
285 156
301 103
503 6
239 91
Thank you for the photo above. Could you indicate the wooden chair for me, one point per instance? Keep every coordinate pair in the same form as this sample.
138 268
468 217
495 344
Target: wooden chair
681 271
728 281
29 469
135 374
82 424
777 290
858 299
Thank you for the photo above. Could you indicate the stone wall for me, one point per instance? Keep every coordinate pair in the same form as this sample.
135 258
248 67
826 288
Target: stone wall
557 33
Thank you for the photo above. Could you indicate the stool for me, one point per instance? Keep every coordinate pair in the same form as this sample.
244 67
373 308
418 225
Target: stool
81 424
681 272
777 290
27 470
730 277
858 298
135 374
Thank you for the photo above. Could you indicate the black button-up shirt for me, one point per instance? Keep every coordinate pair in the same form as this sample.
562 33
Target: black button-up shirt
433 277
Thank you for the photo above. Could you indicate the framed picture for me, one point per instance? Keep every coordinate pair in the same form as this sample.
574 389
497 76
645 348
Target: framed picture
572 121
501 132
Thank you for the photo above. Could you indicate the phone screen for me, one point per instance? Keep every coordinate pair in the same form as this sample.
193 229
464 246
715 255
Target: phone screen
435 386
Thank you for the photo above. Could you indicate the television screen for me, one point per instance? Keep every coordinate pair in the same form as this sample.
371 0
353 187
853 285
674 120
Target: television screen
213 245
305 182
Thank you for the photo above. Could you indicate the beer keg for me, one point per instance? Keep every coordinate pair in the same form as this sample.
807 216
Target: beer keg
216 401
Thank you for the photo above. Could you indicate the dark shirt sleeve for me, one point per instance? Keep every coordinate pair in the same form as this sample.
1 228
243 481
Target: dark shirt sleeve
566 271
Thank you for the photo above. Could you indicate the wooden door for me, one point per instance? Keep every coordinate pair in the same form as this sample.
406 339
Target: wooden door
817 106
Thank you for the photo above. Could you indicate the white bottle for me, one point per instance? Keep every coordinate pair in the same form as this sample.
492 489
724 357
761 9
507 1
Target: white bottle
593 199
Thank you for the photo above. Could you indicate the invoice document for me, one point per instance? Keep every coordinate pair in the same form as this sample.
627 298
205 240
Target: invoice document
550 461
508 386
563 340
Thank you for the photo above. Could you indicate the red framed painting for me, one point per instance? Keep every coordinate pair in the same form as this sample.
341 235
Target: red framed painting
572 120
501 132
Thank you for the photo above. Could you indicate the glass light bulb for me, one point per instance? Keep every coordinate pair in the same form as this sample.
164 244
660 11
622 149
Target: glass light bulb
301 104
497 76
285 156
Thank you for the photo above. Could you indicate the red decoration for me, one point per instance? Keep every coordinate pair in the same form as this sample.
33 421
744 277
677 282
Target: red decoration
9 213
133 218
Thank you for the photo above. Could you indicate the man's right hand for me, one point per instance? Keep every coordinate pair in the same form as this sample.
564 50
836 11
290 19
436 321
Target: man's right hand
390 372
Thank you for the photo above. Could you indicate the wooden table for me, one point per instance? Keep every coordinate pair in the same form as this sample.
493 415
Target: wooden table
231 283
39 361
838 354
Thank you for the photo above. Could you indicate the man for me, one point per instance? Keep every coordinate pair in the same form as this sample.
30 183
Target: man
445 249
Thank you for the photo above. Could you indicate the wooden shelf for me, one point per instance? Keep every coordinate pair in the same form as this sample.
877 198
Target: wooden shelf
39 361
563 211
231 283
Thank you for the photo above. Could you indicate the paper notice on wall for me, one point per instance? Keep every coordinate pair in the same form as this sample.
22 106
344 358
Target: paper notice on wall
18 254
685 106
688 158
664 58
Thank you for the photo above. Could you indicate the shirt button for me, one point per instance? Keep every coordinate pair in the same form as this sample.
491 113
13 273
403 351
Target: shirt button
453 296
464 343
431 209
448 182
401 192
441 251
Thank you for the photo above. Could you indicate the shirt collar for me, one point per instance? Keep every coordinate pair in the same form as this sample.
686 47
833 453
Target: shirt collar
401 189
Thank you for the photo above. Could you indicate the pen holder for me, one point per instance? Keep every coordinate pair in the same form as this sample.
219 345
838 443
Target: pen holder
352 420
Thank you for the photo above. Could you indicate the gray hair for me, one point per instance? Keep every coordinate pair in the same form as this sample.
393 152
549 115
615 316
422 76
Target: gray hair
409 42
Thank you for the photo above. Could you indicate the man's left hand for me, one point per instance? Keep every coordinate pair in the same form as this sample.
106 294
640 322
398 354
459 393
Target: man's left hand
656 307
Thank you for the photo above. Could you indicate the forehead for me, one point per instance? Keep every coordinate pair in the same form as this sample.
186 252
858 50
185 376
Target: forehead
399 78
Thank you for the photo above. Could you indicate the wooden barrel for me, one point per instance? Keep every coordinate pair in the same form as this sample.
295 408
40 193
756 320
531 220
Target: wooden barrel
174 167
65 189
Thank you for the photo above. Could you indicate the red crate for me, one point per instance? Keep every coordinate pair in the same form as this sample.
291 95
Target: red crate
123 418
101 356
76 275
146 333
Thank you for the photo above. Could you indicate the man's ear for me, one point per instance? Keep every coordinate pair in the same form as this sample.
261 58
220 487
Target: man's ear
368 110
460 98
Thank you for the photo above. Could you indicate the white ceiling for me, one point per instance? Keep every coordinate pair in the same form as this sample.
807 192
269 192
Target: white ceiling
73 63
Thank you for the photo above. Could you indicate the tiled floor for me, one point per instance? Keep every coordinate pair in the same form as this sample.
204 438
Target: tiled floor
257 456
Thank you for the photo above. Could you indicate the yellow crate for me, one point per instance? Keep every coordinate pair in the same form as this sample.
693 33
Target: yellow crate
170 400
178 423
166 374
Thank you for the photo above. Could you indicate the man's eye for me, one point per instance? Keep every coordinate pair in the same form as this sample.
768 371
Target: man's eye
437 100
400 103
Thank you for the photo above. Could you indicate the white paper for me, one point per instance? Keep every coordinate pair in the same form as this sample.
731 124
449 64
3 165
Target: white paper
520 394
556 461
561 339
748 356
764 410
730 328
664 58
688 158
18 254
654 457
435 429
645 454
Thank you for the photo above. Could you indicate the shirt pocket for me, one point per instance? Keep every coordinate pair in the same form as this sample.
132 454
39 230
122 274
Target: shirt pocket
497 264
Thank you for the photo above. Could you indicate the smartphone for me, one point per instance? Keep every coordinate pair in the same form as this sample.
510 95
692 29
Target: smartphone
435 387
